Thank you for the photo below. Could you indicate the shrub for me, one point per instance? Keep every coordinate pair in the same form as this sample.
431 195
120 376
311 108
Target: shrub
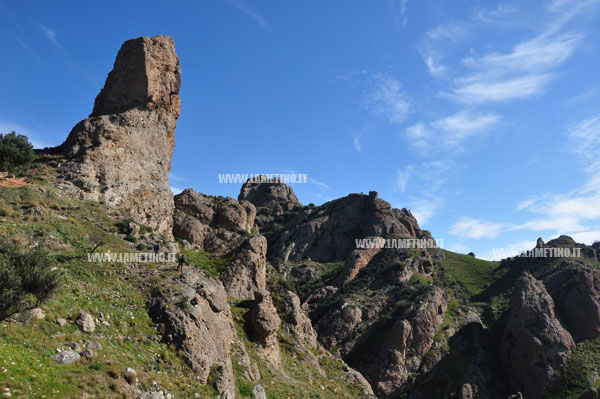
15 152
26 278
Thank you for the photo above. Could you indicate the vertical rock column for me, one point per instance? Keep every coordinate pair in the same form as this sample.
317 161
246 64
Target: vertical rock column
122 153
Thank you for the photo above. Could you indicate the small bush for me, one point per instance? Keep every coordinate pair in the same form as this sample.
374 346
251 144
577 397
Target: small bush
26 278
15 152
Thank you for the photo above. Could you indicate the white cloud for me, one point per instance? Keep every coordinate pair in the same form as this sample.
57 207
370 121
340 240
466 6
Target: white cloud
387 99
402 178
587 237
437 42
537 54
424 208
584 141
356 141
518 72
450 133
317 183
254 15
468 227
404 11
480 88
51 35
176 190
453 31
431 61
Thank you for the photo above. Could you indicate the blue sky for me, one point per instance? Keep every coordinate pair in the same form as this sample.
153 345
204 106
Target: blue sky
483 118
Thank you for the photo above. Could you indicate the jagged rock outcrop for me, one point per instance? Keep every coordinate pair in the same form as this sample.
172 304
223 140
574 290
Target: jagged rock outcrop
298 322
405 345
330 232
246 273
122 153
213 224
339 325
581 306
357 259
534 344
192 313
271 199
265 323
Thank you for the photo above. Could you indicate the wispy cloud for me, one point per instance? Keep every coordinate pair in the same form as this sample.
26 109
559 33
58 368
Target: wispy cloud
449 133
424 208
404 11
51 35
522 71
477 89
253 14
467 227
525 70
584 141
402 176
317 183
27 49
387 99
175 190
356 141
575 213
429 182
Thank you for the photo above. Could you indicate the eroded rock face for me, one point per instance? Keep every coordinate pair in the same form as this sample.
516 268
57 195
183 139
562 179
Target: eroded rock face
298 322
122 153
271 200
213 224
534 344
246 274
408 341
192 313
581 306
265 323
357 259
329 233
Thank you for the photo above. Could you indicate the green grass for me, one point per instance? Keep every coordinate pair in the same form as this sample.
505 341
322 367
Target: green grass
202 260
298 379
581 369
70 228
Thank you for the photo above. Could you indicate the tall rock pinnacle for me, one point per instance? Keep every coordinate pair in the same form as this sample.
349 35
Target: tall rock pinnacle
122 153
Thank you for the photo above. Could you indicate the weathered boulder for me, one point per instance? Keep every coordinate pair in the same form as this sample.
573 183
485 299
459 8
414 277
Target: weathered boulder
534 344
122 153
259 392
86 322
271 199
214 224
66 357
192 313
265 323
246 273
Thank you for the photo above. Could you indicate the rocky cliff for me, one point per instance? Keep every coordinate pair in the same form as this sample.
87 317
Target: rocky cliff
122 153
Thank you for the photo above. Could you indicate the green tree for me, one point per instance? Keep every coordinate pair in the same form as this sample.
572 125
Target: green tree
16 152
27 278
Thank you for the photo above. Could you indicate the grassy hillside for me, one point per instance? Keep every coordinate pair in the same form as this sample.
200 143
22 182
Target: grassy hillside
39 214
